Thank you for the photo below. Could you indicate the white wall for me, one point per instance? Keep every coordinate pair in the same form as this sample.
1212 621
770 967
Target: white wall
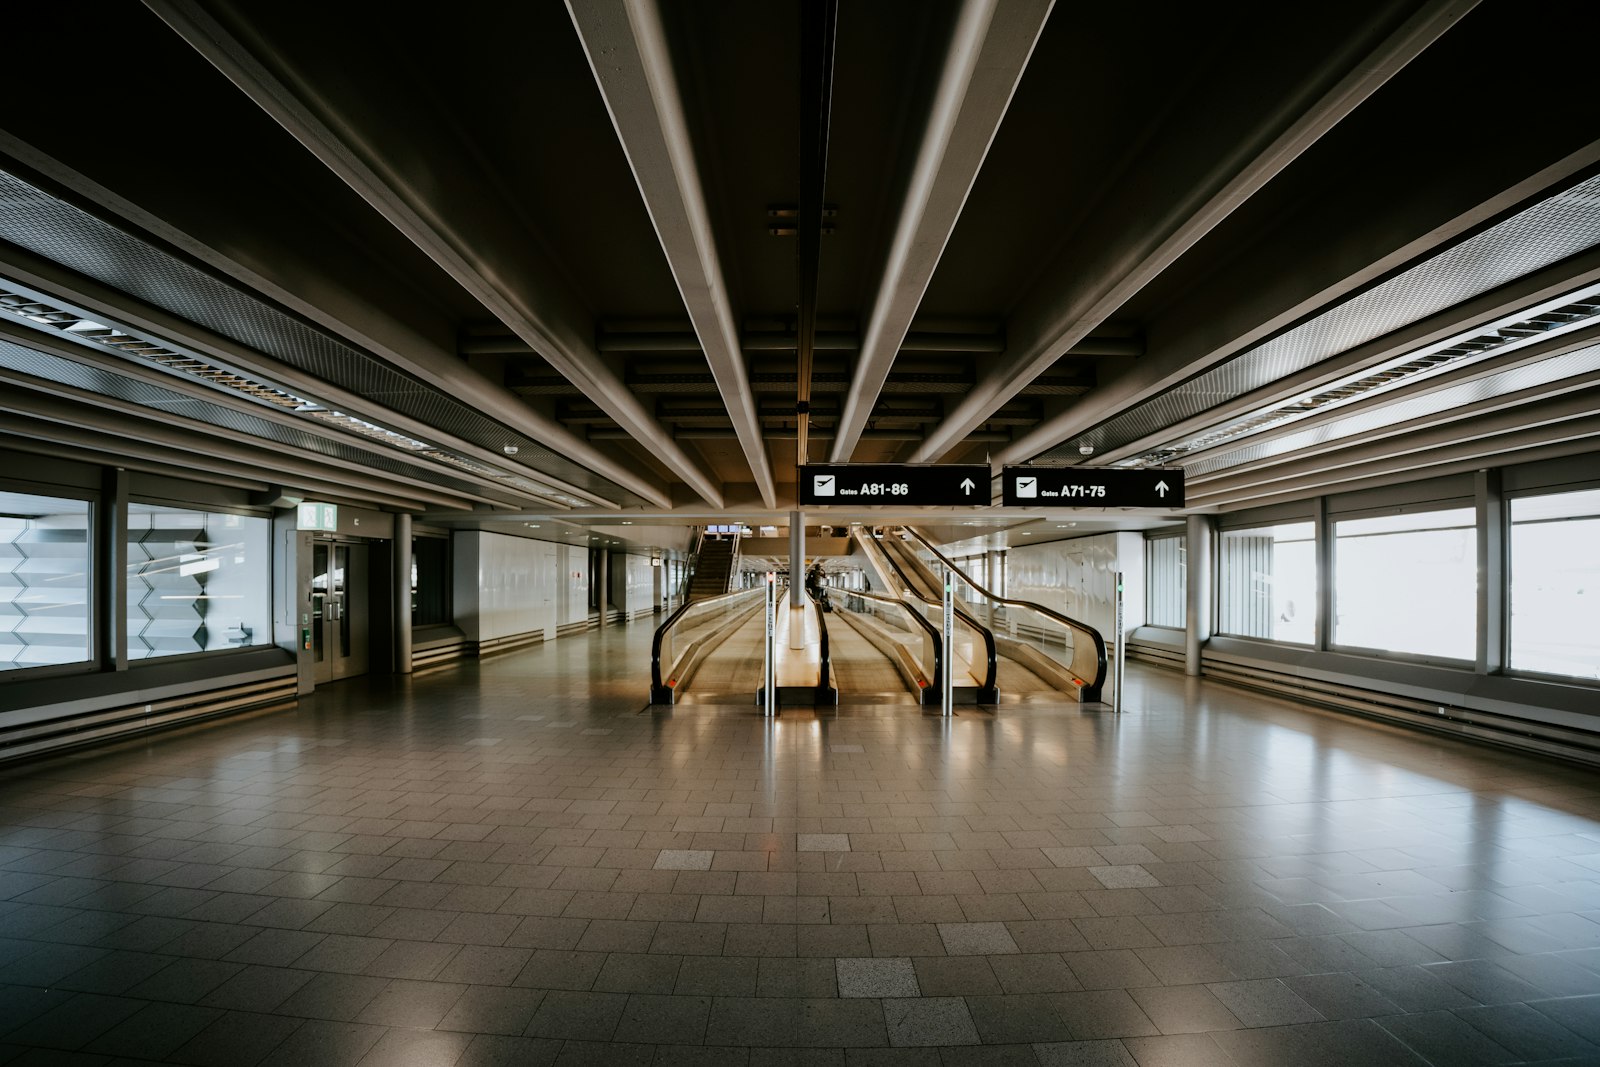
635 588
514 585
1078 578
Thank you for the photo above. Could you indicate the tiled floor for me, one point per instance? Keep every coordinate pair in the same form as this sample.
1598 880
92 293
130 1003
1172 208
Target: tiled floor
508 863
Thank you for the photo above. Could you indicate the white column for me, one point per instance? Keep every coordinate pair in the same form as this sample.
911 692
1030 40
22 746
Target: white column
402 593
1197 593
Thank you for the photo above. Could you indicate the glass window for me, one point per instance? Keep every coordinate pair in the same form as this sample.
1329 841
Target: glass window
1267 582
197 581
1555 584
1166 566
1408 583
44 581
430 581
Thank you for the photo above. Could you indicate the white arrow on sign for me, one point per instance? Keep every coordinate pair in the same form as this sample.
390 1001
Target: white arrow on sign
1161 489
966 486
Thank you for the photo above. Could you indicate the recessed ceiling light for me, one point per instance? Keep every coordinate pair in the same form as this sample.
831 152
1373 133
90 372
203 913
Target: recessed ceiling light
510 450
532 524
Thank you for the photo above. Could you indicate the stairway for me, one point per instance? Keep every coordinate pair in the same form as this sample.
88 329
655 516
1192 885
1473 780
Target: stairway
712 569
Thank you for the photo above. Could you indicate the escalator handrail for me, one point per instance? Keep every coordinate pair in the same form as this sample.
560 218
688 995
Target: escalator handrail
671 621
933 632
992 664
1049 613
825 663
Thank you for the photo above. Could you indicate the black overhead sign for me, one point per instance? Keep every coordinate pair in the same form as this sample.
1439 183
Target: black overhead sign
894 483
1091 487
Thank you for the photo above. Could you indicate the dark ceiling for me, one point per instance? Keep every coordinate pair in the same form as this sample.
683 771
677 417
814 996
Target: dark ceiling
582 230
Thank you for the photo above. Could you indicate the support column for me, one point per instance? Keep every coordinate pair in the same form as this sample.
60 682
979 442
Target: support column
1491 572
108 577
1197 593
797 559
402 593
603 593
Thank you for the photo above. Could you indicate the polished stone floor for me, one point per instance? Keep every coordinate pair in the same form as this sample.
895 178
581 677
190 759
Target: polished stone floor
510 862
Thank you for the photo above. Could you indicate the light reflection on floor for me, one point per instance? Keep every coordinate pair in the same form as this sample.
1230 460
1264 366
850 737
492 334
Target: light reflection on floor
517 861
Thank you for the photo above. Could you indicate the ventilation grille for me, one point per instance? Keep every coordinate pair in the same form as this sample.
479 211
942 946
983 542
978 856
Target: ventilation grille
1530 240
75 239
1384 379
140 349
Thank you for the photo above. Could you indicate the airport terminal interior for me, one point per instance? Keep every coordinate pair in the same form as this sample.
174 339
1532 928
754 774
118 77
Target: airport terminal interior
839 532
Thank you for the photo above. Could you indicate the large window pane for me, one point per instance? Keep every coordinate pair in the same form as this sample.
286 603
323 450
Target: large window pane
1408 583
1267 582
1555 584
44 581
196 581
1166 563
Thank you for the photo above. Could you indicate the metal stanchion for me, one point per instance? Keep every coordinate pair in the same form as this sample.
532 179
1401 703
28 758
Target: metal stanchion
1116 661
947 695
769 691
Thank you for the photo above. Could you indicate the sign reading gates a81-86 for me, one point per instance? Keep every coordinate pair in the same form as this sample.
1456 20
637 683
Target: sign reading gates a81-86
1091 487
936 485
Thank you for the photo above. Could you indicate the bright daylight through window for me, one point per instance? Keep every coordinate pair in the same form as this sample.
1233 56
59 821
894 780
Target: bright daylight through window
44 581
1555 584
1408 584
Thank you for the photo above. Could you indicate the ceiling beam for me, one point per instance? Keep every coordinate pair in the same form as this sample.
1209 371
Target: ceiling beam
1050 321
1420 443
391 168
101 303
626 45
333 309
1517 300
73 416
988 52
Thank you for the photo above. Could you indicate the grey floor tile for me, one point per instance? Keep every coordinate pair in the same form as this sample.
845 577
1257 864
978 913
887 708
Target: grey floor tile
577 1016
976 939
1528 1033
337 1044
877 977
1264 1002
663 1020
492 1010
929 1021
1085 1054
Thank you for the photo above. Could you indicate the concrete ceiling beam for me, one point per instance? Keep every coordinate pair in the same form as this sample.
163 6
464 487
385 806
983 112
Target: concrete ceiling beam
626 45
444 213
1051 320
989 50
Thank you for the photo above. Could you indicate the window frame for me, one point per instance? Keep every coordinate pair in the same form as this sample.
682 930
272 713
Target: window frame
1509 578
206 508
94 604
1422 507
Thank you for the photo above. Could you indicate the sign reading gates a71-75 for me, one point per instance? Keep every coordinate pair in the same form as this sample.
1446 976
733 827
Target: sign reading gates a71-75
1091 487
933 484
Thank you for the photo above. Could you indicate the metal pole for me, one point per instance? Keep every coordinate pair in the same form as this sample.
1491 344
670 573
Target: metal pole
1116 671
947 696
769 691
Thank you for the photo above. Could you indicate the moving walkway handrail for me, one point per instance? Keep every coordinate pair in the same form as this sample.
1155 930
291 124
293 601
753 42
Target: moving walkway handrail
1093 686
656 687
930 694
825 688
990 693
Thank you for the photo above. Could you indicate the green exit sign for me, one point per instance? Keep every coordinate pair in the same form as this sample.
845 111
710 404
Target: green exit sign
319 517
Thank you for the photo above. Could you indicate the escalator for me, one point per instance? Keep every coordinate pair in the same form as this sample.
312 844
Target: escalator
904 620
713 649
1038 646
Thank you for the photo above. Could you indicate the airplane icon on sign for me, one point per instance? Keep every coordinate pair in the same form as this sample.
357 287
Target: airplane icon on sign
822 484
1027 488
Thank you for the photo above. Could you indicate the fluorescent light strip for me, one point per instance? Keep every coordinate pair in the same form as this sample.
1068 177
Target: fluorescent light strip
1382 379
124 344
